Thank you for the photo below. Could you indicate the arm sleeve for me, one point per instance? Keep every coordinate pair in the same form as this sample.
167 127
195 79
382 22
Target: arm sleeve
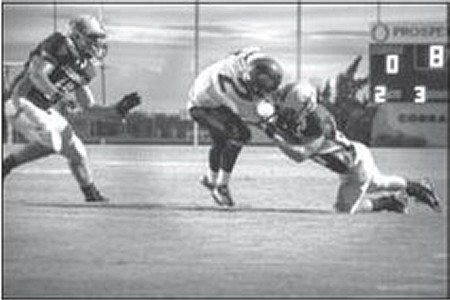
299 153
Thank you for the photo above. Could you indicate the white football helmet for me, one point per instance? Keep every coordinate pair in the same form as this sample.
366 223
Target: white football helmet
89 36
302 97
294 102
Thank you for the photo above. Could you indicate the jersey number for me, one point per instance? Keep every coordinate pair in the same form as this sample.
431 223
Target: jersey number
225 81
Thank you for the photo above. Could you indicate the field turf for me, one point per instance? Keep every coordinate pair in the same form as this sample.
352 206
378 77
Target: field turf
161 235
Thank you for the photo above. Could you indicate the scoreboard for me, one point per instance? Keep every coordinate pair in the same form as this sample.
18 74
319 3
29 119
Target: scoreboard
408 62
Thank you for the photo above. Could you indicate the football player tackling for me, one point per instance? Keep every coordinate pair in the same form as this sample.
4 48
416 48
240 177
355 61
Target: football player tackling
220 97
57 74
303 130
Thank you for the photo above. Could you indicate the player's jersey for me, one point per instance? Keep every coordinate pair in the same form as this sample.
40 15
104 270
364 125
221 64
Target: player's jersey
221 84
70 71
336 151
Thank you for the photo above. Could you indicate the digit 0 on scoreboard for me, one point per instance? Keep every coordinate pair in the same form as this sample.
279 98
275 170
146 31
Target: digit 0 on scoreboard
408 62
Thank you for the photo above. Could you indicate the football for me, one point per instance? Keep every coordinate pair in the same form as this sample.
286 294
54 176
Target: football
265 109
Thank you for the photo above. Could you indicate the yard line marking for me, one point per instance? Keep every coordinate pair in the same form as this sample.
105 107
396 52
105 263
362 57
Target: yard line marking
41 171
150 163
175 207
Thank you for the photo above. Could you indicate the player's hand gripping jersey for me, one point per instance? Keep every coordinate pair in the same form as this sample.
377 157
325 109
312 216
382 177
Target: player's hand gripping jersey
226 83
71 71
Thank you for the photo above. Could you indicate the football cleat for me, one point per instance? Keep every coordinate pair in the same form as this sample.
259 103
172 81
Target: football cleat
222 196
424 192
92 194
204 180
433 199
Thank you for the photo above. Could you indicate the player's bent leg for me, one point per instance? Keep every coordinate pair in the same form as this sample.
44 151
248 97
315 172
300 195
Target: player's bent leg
37 126
214 159
76 154
229 133
209 180
366 178
28 153
388 182
395 202
221 193
351 196
238 135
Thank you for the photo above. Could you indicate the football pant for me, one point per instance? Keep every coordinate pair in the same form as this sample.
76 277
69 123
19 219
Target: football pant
223 124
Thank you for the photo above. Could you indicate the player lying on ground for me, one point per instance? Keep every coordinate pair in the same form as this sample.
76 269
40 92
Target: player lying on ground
57 74
303 130
221 95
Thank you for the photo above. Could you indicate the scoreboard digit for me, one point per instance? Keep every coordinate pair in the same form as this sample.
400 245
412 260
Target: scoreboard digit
408 62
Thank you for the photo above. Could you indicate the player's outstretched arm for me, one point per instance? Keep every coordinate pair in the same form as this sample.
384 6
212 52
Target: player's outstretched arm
297 154
113 112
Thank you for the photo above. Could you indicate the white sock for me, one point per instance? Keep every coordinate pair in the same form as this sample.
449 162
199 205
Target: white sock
223 178
212 176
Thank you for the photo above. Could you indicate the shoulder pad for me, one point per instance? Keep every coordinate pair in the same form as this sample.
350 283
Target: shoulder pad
57 49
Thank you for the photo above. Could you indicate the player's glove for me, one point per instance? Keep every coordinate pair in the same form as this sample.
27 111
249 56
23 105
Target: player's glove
127 103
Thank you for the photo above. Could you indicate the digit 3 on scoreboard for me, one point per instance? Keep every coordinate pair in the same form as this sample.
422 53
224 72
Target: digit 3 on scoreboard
408 62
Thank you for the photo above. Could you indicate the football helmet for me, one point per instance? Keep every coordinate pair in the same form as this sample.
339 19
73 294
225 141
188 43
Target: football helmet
263 75
300 97
295 101
89 36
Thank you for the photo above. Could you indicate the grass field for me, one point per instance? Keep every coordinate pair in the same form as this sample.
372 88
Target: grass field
162 236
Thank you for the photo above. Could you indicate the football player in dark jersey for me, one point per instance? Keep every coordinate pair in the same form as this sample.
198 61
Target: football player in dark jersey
57 73
303 130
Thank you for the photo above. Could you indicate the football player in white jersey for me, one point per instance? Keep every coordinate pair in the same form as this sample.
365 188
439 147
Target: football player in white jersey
57 74
221 96
303 130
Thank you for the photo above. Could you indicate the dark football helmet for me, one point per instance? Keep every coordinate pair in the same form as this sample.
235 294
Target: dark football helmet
263 75
89 36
